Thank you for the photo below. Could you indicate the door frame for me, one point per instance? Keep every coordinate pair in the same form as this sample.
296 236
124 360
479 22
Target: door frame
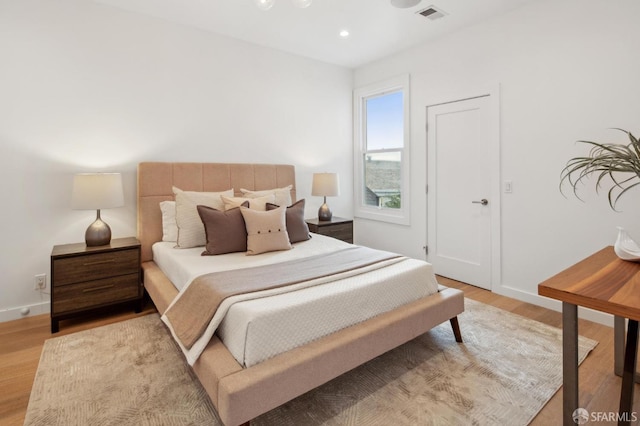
493 92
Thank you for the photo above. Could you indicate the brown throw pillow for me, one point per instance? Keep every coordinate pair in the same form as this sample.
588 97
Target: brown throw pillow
296 226
225 230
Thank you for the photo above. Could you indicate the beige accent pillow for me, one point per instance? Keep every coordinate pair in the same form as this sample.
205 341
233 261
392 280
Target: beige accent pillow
190 228
266 230
169 227
259 203
282 195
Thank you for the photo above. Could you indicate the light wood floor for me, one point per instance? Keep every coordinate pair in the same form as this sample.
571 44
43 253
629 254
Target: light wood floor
21 343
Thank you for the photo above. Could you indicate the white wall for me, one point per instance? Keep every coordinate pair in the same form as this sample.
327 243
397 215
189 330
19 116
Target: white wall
85 87
568 71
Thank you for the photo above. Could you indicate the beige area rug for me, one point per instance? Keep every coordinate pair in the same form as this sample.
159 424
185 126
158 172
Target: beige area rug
132 373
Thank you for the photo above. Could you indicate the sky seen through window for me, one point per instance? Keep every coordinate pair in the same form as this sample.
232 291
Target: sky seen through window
385 122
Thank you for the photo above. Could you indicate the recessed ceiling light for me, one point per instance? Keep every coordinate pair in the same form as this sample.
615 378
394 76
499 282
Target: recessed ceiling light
403 4
265 4
302 3
344 33
268 4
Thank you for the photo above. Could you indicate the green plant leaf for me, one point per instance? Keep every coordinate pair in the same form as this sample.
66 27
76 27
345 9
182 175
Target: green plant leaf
605 161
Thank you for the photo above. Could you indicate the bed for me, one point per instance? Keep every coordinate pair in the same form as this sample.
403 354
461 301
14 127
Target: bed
241 393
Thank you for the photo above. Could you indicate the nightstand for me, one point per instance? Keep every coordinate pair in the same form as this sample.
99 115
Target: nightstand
337 227
85 279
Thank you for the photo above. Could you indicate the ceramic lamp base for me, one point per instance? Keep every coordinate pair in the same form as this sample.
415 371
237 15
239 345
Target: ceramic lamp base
98 233
324 213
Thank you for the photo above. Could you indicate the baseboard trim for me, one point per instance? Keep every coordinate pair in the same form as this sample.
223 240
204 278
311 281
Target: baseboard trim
16 313
545 302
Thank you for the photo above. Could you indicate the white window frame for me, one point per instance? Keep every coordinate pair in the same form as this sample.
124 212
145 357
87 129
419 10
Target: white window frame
360 95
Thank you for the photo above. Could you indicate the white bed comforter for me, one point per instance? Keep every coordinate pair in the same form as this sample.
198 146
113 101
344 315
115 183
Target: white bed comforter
257 328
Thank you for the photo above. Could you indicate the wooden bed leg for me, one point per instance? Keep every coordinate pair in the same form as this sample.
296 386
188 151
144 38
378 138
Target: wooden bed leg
456 329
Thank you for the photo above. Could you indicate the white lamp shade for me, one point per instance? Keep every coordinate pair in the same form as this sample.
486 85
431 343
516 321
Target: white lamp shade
325 185
95 191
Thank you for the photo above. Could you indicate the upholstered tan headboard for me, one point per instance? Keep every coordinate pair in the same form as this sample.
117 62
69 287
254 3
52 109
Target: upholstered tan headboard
155 182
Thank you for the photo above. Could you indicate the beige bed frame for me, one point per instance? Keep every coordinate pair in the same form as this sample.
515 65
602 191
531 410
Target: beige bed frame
241 394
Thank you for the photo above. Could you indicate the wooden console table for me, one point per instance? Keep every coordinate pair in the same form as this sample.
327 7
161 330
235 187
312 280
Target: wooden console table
605 283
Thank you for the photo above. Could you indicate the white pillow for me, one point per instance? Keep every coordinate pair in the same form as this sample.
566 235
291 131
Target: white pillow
283 195
190 228
266 231
169 227
256 203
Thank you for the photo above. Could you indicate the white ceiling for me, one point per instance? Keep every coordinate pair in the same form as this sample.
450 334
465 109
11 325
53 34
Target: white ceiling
376 28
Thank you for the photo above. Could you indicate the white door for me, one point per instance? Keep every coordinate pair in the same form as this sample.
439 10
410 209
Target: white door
459 190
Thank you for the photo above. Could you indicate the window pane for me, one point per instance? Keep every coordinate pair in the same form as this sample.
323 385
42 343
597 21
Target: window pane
382 179
384 121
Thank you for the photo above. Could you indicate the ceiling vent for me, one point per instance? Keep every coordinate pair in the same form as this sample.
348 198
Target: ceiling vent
432 13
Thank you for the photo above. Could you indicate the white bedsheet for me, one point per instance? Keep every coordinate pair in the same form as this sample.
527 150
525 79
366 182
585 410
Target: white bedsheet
258 329
181 266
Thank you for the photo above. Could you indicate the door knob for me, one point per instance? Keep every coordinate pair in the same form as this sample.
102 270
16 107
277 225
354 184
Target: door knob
484 202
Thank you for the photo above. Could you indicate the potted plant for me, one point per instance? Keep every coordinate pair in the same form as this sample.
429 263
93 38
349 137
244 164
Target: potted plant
606 160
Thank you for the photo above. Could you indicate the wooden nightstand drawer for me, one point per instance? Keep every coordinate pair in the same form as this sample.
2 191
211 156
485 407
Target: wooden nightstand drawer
94 267
97 278
337 227
343 231
84 295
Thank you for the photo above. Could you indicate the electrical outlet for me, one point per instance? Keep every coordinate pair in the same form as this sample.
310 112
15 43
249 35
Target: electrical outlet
40 282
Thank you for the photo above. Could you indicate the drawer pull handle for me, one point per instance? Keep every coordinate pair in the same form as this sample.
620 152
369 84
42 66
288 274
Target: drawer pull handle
98 262
104 287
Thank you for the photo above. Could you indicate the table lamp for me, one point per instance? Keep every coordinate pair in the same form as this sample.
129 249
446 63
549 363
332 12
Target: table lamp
325 185
96 191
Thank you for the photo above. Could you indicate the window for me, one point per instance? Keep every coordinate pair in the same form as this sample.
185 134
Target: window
381 135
